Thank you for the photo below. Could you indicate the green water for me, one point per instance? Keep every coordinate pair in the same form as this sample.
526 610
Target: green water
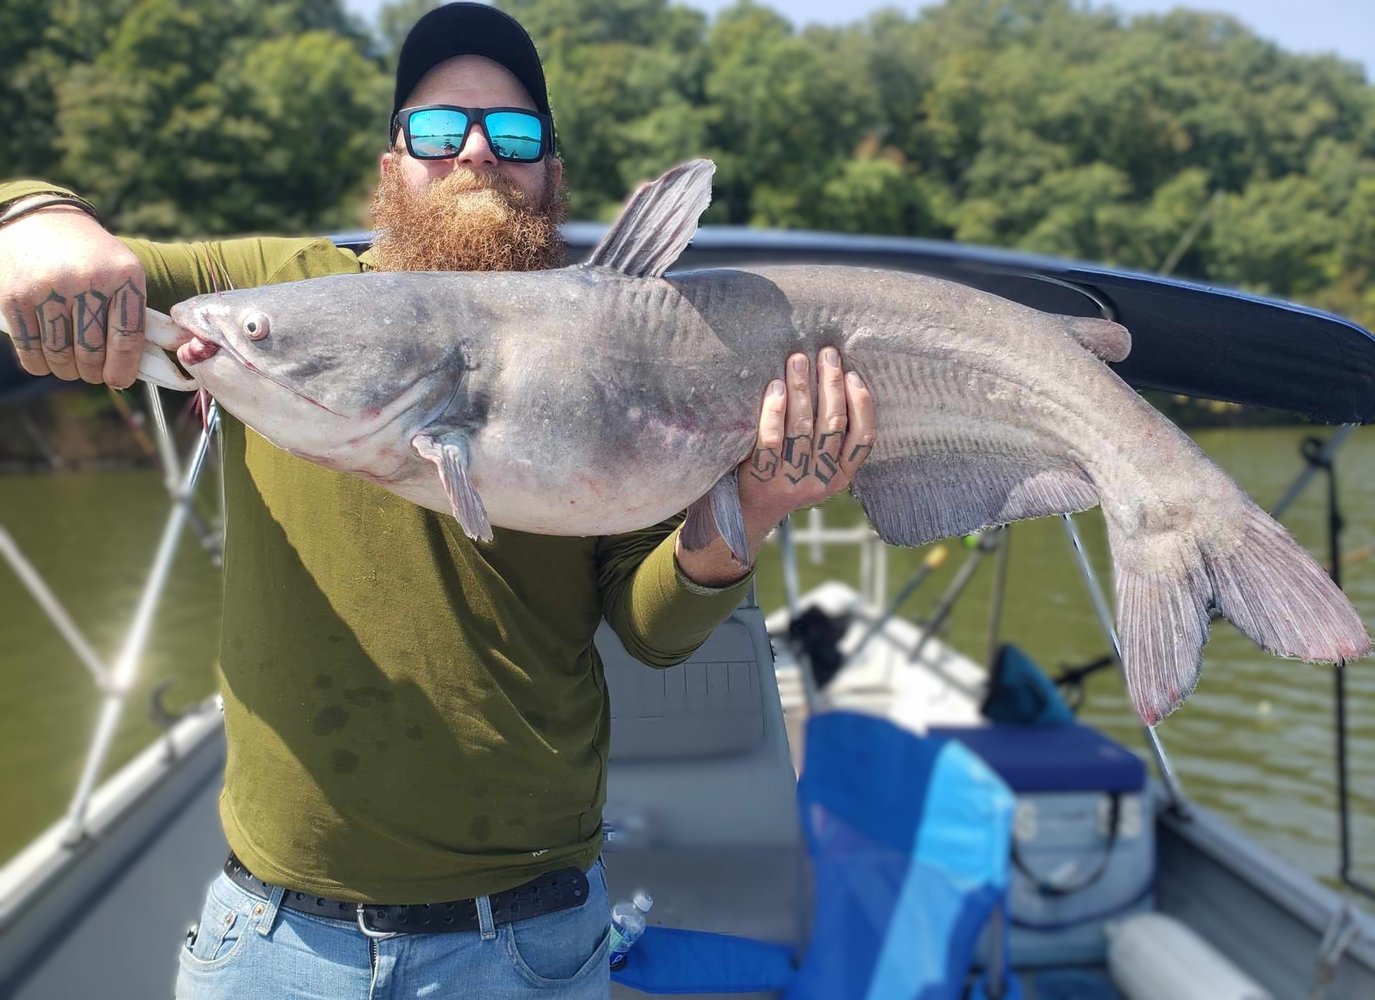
1255 741
92 538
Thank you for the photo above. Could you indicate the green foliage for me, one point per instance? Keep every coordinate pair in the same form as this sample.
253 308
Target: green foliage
182 117
625 82
392 26
1181 141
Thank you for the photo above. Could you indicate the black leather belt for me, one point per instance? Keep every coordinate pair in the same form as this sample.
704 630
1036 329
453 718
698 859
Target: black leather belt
547 893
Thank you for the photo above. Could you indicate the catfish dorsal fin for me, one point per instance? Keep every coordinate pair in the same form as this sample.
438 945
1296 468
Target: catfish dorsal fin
657 223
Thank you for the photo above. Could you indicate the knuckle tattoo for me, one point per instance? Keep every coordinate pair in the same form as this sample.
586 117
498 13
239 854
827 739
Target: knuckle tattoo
797 457
764 464
89 313
826 466
55 322
130 305
25 334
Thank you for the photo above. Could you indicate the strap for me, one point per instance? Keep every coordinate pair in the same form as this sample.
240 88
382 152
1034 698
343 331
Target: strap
1046 888
31 204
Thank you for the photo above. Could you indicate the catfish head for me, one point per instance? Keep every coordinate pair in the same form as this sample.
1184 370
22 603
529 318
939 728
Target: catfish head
341 370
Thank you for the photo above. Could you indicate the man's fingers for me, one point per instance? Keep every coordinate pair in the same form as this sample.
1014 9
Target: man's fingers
830 380
55 334
797 443
862 430
22 326
126 317
89 311
768 446
831 417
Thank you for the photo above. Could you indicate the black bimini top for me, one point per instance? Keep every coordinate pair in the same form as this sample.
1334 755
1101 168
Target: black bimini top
1189 338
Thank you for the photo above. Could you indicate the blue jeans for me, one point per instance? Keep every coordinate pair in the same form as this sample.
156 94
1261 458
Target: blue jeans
249 948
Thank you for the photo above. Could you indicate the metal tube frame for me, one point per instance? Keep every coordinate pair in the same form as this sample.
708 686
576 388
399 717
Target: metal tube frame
995 603
1173 789
125 668
1320 456
56 613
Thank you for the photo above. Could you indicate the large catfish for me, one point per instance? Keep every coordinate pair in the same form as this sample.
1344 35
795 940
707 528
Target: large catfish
605 397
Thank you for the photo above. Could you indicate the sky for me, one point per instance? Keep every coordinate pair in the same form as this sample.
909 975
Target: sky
1346 27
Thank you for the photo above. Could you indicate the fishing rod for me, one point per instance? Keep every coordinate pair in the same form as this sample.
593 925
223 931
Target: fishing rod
929 565
983 544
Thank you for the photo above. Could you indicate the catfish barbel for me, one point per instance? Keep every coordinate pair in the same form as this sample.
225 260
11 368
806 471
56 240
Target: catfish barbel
606 397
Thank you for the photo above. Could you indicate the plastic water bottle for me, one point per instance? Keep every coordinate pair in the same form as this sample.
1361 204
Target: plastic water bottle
627 924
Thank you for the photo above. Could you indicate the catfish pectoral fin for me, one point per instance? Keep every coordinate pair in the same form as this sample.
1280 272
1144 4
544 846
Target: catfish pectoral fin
449 453
159 329
718 513
156 368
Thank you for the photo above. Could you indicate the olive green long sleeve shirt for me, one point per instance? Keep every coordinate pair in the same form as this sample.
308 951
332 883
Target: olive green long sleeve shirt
411 716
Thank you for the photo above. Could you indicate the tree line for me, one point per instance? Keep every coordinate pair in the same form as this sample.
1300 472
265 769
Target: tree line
1180 142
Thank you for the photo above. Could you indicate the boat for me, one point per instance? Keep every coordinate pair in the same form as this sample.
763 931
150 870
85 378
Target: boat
703 796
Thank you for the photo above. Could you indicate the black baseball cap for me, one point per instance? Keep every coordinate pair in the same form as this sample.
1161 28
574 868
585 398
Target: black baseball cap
468 29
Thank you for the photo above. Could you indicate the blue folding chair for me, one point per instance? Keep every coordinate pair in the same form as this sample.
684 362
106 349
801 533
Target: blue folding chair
909 838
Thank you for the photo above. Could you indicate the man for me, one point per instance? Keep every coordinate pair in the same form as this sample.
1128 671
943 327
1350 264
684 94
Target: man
415 722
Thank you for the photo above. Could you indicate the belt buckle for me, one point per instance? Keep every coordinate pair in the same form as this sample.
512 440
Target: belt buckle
368 931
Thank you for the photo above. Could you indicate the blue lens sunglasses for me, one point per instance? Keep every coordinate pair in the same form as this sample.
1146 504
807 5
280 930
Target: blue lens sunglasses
438 131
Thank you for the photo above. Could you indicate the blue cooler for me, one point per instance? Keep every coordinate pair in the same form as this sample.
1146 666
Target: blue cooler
1083 836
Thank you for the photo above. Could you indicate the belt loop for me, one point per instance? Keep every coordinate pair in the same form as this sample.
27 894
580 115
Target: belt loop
484 918
267 912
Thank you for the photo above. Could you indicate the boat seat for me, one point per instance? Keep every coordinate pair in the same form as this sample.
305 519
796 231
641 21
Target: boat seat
712 705
1055 758
701 795
699 754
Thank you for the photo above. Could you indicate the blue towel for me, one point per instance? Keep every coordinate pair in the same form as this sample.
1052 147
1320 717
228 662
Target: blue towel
667 961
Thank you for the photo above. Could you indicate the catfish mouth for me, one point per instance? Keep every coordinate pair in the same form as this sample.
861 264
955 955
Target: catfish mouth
196 350
201 348
197 346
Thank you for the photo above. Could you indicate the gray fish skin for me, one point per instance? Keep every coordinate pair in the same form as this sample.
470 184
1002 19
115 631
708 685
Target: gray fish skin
590 401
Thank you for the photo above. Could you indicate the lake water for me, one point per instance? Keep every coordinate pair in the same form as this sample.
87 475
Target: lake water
1255 741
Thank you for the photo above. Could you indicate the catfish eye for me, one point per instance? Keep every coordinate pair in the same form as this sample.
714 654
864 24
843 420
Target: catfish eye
255 326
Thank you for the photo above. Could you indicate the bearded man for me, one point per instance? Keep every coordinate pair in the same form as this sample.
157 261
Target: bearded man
417 724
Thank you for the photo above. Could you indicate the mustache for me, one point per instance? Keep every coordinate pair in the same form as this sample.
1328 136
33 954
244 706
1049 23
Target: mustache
465 180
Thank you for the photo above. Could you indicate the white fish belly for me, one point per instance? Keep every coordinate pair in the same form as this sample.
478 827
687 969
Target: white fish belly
577 488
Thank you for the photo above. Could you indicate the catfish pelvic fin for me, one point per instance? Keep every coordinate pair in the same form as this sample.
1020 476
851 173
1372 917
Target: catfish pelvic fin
718 513
448 450
657 223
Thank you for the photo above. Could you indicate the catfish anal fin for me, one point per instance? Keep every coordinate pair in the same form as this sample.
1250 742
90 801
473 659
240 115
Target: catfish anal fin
912 500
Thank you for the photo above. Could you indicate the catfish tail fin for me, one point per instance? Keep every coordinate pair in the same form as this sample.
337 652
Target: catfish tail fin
1262 581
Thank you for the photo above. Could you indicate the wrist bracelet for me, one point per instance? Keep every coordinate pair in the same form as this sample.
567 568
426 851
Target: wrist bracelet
33 203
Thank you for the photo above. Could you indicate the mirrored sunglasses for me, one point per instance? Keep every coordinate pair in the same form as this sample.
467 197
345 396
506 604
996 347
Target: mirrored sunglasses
438 131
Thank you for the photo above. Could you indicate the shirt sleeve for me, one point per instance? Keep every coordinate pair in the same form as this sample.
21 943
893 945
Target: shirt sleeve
660 615
177 271
12 191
